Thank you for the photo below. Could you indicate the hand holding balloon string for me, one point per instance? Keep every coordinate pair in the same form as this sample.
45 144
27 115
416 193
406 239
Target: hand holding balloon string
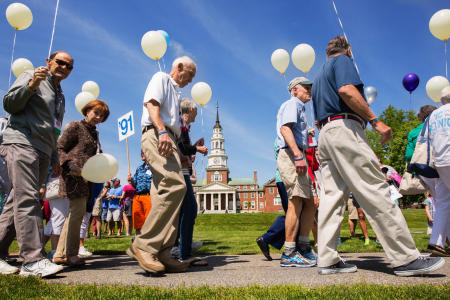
39 74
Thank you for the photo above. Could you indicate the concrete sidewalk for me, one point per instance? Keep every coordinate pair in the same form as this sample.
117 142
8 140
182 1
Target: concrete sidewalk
241 270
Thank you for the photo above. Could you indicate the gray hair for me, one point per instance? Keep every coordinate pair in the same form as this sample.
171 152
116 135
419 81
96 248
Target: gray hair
186 105
185 60
445 95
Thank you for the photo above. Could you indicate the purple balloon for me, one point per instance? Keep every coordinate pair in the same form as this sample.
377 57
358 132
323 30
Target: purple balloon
410 82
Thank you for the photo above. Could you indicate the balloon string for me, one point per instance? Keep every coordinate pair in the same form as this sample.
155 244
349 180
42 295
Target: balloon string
345 35
445 58
12 58
159 66
53 30
202 172
164 64
410 101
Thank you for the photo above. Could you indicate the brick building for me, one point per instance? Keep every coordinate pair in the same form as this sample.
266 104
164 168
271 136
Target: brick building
219 193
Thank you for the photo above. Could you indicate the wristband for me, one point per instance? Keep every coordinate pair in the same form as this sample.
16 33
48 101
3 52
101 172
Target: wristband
371 122
162 132
299 159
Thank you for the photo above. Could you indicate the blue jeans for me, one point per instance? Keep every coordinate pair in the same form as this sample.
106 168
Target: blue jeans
275 236
188 214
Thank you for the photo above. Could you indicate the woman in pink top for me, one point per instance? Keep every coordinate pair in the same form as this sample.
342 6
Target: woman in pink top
127 197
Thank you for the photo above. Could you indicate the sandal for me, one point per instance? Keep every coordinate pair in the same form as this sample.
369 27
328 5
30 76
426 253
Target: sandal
437 250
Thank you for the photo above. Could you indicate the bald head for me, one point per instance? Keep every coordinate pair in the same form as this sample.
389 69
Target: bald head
183 70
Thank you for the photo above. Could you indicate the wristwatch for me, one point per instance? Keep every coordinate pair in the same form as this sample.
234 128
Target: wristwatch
371 122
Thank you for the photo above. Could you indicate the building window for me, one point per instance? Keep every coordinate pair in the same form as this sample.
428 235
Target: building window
217 176
252 187
271 190
245 205
245 195
253 204
261 205
245 187
277 201
261 195
253 195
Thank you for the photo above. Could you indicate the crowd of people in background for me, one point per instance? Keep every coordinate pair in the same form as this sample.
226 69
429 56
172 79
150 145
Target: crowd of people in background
316 180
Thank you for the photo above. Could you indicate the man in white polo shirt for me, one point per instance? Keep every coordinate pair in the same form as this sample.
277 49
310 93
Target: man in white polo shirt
160 128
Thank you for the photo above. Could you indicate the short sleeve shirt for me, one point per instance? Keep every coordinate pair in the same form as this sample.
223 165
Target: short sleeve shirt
114 203
142 179
129 191
337 72
163 89
439 126
430 204
293 111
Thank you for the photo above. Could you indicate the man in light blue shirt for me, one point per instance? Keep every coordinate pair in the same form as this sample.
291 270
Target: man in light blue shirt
292 142
114 213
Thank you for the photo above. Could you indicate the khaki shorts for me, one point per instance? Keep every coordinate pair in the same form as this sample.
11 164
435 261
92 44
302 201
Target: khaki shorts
296 185
97 210
352 211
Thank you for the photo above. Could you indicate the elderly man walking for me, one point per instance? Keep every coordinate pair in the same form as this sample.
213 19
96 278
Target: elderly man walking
292 143
349 164
161 127
36 104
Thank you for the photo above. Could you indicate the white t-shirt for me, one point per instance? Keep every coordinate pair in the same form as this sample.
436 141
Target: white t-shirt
439 126
163 89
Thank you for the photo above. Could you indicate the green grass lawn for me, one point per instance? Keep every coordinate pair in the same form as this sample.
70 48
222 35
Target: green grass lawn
236 234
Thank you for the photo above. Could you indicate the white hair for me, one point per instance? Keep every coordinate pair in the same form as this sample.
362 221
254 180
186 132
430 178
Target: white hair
185 60
186 105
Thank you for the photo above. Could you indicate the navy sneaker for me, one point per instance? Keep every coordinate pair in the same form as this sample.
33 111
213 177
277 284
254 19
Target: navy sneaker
295 259
339 267
419 266
310 256
264 247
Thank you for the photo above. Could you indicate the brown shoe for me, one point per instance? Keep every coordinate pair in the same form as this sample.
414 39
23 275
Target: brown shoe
75 261
147 261
60 260
437 250
172 265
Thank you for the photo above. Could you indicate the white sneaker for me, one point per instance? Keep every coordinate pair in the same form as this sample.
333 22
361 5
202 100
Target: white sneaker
175 252
196 245
6 268
42 268
83 252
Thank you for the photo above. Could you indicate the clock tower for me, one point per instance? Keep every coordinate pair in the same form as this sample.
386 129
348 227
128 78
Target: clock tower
217 170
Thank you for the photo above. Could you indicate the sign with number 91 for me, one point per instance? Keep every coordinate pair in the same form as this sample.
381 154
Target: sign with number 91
125 125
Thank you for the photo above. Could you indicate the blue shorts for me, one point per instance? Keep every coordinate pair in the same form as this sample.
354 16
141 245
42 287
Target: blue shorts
104 214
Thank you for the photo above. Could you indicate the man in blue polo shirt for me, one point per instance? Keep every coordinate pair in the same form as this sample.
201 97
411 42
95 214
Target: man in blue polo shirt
348 163
114 214
292 142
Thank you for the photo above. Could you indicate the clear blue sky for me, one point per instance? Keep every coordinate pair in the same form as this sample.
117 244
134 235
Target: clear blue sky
231 42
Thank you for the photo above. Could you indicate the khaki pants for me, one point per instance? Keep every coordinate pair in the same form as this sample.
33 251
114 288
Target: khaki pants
69 240
22 215
167 192
349 164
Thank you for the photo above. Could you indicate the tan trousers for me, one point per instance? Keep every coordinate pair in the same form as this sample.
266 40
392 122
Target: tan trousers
69 240
167 192
349 164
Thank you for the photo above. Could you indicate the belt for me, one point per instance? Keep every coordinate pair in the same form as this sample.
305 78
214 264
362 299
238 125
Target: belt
342 116
286 147
148 127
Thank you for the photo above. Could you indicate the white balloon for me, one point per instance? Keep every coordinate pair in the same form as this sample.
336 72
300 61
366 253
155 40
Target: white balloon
201 93
19 16
434 87
280 60
303 57
91 87
440 24
371 93
154 44
100 168
82 99
21 65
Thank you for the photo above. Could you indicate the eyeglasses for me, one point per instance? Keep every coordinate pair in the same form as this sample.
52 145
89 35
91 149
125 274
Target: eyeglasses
69 66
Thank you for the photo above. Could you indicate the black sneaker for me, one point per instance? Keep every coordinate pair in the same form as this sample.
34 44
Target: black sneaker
419 266
264 247
340 267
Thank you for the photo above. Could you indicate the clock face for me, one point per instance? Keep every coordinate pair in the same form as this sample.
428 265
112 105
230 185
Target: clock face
216 160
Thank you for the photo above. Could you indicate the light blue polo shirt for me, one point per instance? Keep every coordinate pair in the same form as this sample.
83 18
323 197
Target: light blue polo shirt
293 111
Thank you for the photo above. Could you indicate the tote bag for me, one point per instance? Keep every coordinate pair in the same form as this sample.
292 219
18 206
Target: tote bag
411 184
422 161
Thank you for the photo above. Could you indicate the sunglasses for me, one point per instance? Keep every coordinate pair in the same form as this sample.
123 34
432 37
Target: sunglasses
69 66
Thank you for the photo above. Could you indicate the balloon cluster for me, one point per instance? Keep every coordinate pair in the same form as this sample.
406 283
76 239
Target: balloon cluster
303 57
435 86
100 168
155 43
89 91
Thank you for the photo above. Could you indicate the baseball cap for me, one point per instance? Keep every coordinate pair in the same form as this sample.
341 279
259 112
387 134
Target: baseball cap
299 80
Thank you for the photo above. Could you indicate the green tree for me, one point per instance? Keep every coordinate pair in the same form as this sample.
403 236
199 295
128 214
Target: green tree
393 152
